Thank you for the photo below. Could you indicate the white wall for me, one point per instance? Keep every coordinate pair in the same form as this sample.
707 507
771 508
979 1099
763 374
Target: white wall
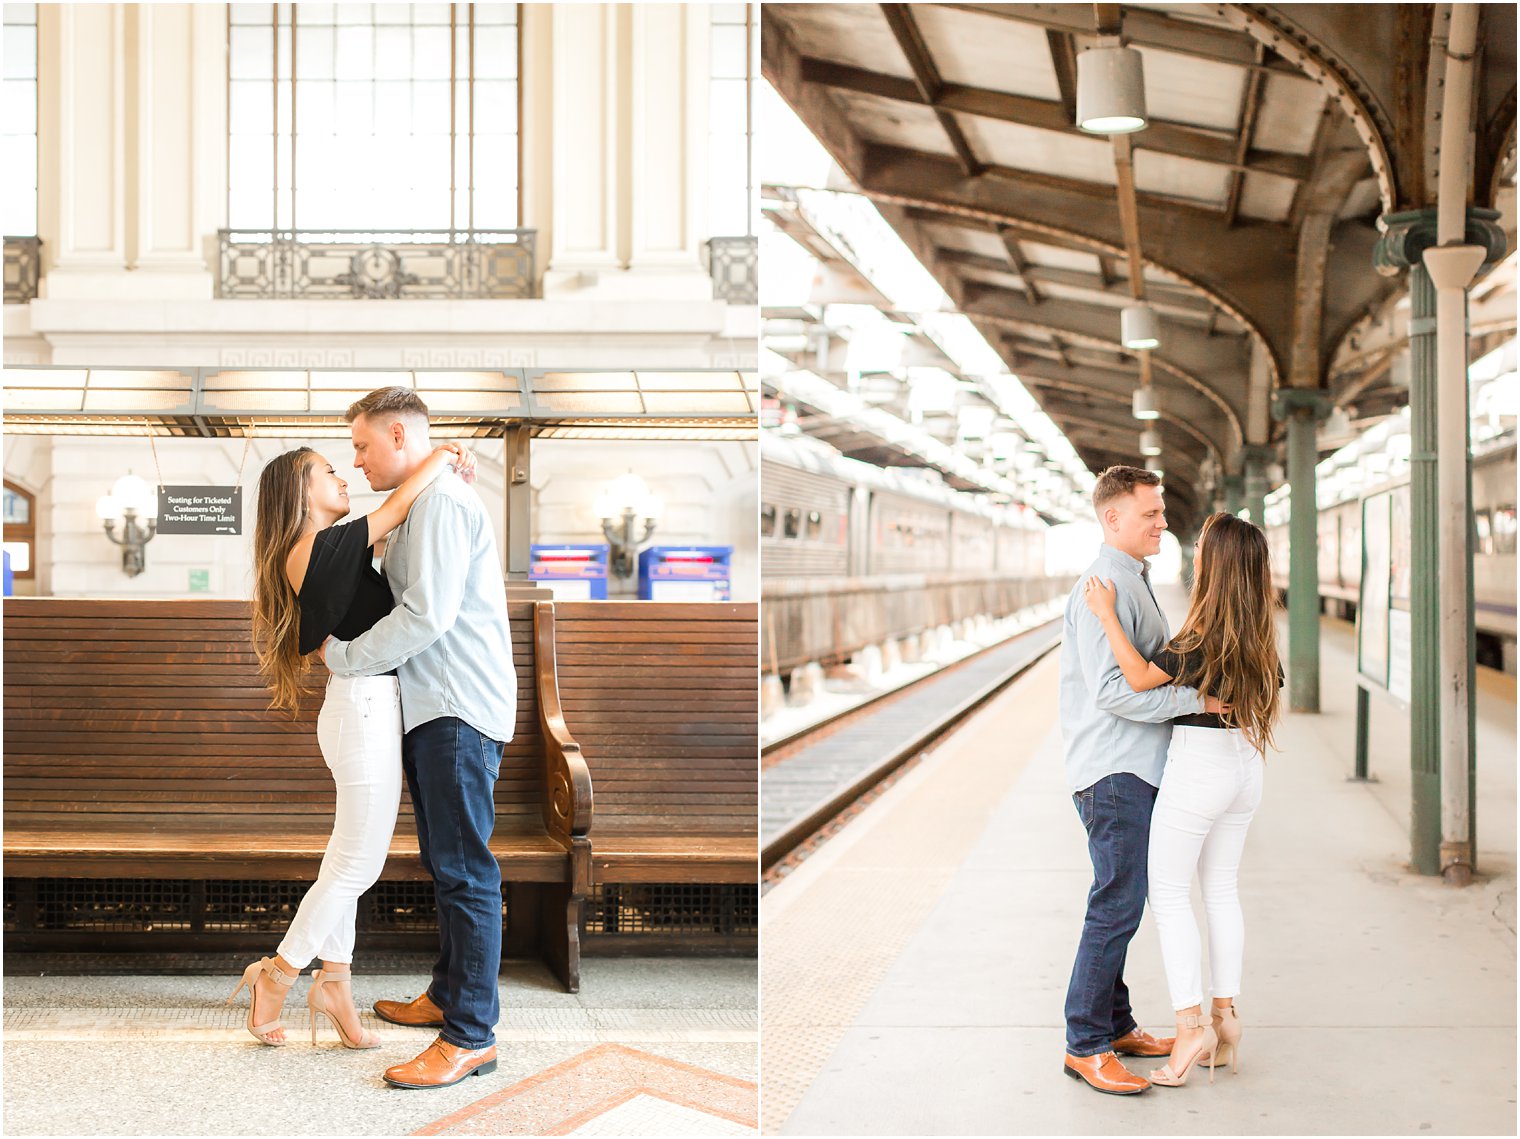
709 490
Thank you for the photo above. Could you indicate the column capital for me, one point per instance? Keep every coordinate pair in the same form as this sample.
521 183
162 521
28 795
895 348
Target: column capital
1256 453
1405 236
1286 401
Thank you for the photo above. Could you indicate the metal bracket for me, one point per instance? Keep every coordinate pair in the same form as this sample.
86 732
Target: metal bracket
1285 401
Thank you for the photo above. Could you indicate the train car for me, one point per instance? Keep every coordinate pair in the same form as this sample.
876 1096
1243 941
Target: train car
854 555
1340 553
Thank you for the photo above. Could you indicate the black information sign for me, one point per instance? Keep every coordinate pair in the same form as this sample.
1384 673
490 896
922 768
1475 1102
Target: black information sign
200 510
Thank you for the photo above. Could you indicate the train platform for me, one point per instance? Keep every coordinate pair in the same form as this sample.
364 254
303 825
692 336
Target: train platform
915 966
648 1047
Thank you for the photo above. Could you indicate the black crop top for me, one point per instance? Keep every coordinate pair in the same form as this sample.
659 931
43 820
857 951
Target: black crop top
343 594
1175 665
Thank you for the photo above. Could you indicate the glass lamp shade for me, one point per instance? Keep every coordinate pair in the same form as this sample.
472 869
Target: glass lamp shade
604 506
1153 464
1138 327
654 506
107 508
133 493
627 490
1110 91
1145 403
1150 441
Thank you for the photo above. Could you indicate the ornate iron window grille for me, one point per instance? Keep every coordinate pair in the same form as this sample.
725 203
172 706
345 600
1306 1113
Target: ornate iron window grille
23 268
369 264
734 263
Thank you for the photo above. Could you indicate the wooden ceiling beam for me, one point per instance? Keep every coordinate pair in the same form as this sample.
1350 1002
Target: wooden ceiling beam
1250 108
1063 58
1020 265
1200 144
927 81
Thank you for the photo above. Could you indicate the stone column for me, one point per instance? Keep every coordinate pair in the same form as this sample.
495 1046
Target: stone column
177 155
81 176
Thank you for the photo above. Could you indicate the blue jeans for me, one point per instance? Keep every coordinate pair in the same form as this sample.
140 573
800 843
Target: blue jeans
1116 810
451 771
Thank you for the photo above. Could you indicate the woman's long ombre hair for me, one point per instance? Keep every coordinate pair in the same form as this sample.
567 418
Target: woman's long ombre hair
281 515
1229 631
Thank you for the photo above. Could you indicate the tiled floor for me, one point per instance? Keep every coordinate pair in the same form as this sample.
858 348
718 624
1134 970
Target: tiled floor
663 1046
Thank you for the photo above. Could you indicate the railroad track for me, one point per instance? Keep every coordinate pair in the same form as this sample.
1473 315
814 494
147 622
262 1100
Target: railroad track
810 776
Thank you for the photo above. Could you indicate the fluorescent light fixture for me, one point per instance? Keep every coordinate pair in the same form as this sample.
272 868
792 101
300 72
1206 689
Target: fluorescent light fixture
1138 327
1145 403
1110 90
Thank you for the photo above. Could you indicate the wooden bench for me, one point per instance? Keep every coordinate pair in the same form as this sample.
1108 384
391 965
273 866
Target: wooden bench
138 745
664 700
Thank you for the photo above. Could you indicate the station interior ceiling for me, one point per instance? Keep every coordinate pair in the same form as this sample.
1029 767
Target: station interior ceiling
1245 214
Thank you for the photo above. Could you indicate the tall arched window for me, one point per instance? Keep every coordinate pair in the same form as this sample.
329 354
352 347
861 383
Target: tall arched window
373 116
733 202
18 138
21 530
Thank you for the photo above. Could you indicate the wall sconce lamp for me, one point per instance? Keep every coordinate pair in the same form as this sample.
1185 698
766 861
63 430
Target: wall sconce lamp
622 507
130 499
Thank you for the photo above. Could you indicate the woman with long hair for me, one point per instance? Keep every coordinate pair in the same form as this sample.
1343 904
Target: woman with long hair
1212 784
314 578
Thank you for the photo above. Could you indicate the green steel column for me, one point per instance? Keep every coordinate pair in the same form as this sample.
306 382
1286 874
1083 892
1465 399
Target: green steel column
1405 238
1303 411
1234 493
1255 482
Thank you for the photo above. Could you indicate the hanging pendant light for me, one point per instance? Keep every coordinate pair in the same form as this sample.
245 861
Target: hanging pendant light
1110 90
1150 441
1145 403
1153 464
1138 327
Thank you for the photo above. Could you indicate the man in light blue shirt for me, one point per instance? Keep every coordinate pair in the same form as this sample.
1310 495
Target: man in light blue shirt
448 641
1116 742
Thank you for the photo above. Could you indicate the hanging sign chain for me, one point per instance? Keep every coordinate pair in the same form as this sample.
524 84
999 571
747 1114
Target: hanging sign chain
157 470
247 443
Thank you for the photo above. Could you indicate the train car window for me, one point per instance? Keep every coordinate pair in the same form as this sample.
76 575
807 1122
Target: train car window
793 525
1504 529
1483 532
768 520
814 525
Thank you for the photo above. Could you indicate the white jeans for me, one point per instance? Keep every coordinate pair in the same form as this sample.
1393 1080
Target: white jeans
1210 789
359 732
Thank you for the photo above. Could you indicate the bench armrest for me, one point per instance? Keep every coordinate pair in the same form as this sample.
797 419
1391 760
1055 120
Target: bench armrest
567 806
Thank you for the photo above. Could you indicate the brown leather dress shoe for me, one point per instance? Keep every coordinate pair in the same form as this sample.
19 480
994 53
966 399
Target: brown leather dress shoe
1141 1043
441 1064
421 1013
1103 1073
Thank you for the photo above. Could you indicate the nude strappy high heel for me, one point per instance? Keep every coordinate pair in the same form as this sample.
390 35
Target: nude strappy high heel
316 1001
1207 1046
250 979
1227 1027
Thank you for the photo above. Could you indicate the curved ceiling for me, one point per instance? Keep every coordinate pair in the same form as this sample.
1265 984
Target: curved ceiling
1245 213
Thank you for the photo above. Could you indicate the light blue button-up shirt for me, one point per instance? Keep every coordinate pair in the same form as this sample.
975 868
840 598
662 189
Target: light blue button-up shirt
1108 727
447 639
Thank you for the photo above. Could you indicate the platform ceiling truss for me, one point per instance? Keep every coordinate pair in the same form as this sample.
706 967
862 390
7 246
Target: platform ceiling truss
1278 135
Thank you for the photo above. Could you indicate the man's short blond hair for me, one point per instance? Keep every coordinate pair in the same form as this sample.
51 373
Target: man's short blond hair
387 404
1116 482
